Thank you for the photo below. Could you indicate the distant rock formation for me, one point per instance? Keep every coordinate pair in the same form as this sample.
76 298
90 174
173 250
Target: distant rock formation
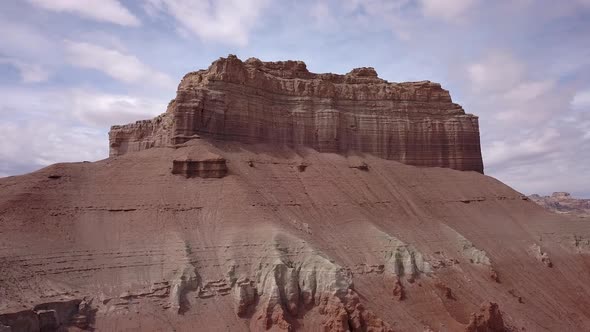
251 101
564 203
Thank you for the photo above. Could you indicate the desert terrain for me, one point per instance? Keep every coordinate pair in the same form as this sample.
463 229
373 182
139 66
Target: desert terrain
362 206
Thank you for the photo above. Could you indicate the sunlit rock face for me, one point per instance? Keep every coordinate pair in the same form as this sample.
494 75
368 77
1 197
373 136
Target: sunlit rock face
282 103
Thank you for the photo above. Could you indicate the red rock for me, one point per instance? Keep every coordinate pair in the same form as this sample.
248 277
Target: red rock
564 203
211 167
283 103
348 314
269 244
488 319
445 290
398 290
494 275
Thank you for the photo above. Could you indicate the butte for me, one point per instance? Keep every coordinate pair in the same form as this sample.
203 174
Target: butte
270 198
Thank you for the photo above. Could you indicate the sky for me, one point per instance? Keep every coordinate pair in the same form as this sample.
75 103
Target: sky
69 69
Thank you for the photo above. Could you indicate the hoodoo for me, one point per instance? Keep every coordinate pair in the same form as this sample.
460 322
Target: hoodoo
269 198
415 123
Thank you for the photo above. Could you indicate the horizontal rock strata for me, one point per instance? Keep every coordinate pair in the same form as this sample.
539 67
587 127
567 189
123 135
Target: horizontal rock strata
283 103
351 243
205 168
563 203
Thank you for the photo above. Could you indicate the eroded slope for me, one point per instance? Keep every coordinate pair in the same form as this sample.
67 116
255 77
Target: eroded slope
286 239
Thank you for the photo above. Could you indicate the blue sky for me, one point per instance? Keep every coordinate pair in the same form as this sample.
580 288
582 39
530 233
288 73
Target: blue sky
71 68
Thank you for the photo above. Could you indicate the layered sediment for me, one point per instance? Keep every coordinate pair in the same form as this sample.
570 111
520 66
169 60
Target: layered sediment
225 214
283 103
563 203
346 243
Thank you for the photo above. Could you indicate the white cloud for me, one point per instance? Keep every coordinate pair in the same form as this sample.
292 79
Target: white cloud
497 71
503 88
49 126
393 13
529 101
123 67
530 138
448 10
23 40
100 109
79 106
529 90
29 50
100 10
30 72
47 143
225 21
322 14
581 100
542 159
539 144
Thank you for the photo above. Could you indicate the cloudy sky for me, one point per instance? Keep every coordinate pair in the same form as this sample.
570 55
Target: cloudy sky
71 68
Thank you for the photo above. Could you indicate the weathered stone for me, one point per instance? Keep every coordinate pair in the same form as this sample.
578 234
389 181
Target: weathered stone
283 103
244 296
488 319
564 203
26 321
205 168
47 320
398 290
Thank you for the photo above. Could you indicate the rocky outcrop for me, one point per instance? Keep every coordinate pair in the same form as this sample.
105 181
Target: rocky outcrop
405 261
287 288
346 313
52 316
210 167
488 319
140 135
283 103
564 203
540 255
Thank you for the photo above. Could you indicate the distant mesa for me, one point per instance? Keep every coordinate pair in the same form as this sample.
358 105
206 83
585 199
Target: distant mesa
283 103
563 203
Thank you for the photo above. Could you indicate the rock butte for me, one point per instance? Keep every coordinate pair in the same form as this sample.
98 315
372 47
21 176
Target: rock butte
190 227
564 203
415 123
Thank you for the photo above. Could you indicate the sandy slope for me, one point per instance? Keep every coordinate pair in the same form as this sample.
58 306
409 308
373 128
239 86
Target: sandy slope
157 251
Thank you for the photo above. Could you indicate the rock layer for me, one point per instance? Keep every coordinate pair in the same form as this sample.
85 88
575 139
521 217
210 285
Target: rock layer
283 103
268 246
563 203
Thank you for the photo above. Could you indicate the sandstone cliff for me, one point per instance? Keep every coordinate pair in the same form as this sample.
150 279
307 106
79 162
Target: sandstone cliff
283 103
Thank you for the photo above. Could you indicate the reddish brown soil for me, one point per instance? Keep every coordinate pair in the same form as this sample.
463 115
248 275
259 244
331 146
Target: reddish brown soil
149 250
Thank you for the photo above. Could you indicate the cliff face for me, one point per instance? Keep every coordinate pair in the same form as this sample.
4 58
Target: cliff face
283 103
